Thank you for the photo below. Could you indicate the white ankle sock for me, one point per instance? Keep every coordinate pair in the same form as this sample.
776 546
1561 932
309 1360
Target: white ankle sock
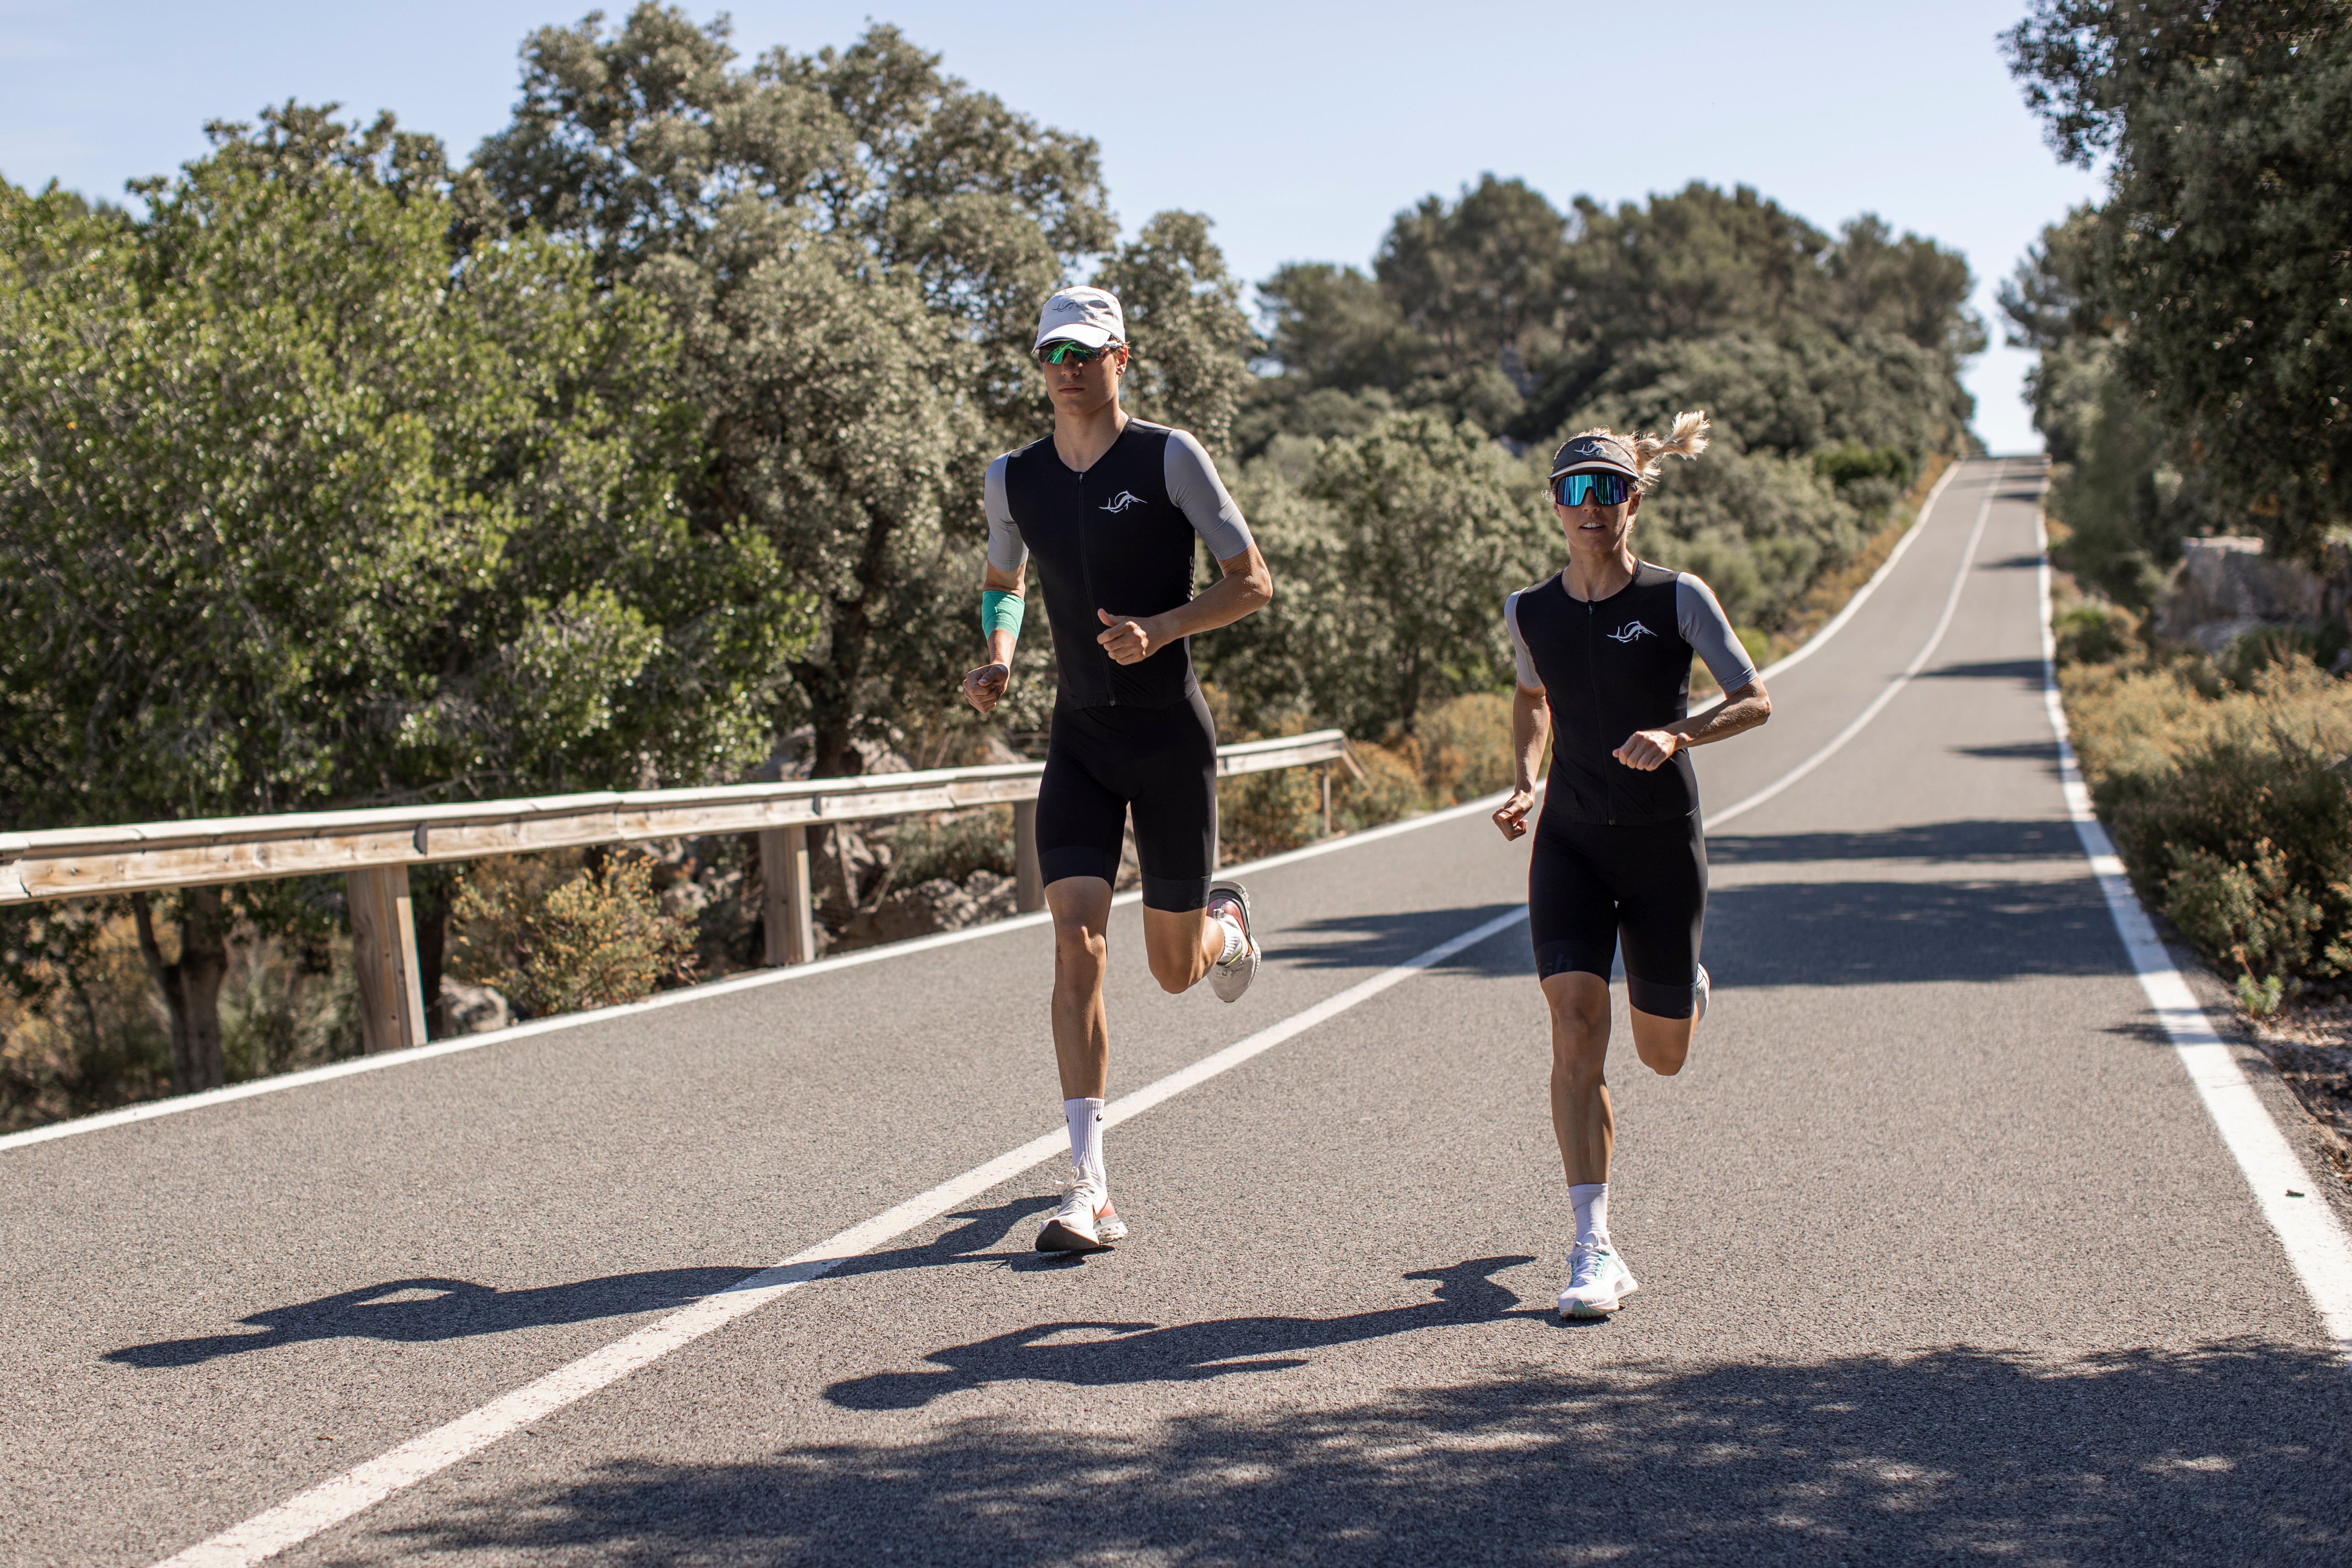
1591 1201
1236 943
1085 1120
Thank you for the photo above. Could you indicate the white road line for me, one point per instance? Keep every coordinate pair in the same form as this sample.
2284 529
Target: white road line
2315 1244
1813 643
331 1502
203 1100
1893 686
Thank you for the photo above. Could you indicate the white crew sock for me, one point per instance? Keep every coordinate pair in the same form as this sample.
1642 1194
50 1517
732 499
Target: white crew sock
1591 1201
1236 943
1085 1120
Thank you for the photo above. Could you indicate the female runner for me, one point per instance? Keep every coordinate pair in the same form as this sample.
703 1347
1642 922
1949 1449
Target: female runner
1604 655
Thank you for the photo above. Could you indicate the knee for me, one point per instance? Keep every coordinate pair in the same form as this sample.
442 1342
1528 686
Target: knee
1079 946
1174 975
1577 1023
1578 1045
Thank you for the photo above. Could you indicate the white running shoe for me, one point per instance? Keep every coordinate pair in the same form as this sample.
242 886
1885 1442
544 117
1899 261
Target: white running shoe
1230 979
1085 1223
1597 1281
1698 1002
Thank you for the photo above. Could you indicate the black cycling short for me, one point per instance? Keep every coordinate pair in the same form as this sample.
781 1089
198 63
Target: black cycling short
1160 761
1593 885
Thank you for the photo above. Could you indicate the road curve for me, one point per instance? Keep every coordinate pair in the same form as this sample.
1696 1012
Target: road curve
1941 1256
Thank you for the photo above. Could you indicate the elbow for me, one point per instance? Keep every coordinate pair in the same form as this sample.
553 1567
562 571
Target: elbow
1260 589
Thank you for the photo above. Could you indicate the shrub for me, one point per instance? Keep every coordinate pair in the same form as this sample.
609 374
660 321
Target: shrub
1266 814
1463 747
953 845
1391 790
2233 809
2095 633
595 939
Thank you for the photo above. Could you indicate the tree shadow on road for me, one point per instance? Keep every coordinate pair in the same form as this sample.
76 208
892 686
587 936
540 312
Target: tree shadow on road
1897 933
430 1308
2026 671
2233 1452
1981 839
1373 941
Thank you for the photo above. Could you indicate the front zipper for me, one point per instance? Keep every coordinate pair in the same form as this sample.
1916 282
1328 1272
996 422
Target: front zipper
1087 559
1600 718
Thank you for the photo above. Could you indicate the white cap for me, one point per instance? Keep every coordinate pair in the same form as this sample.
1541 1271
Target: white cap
1084 315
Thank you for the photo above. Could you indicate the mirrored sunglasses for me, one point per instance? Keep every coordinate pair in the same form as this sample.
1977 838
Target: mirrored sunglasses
1068 353
1599 489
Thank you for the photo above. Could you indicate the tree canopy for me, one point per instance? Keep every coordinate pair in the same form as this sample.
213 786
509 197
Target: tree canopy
2216 273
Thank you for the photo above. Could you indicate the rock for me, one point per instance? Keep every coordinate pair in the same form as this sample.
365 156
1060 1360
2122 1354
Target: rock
927 907
473 1009
2226 587
993 897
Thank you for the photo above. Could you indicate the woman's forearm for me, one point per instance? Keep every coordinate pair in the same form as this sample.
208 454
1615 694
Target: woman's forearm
1530 722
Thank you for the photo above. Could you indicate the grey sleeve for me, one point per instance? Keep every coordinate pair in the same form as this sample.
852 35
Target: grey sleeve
1529 678
1193 486
1006 552
1705 626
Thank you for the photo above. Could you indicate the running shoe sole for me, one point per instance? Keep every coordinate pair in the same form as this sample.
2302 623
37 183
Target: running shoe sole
1056 1237
1059 1237
1229 981
1568 1309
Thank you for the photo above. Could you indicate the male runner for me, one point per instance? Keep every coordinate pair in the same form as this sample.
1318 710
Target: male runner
1110 507
1605 651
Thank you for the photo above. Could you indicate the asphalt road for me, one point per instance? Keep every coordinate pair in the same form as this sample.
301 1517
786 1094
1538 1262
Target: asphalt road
1941 1256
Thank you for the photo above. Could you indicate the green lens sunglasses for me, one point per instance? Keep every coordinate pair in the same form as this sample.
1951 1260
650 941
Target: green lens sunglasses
1067 351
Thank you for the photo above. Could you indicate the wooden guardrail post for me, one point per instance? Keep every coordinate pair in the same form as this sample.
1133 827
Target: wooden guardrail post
1028 874
788 905
383 951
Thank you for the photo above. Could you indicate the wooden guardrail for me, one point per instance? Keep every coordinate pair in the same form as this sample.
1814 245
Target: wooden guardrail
373 849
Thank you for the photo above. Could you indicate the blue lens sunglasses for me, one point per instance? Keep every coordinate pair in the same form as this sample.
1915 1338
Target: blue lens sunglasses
1600 490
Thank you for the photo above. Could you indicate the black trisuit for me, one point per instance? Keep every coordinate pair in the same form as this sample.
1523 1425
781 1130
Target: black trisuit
1617 852
1119 538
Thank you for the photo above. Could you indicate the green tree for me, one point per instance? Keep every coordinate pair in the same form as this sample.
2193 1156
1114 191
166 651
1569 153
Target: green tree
2125 495
1192 344
2223 252
298 508
854 247
1393 554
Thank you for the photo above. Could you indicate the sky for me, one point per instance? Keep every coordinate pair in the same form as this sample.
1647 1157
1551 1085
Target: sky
1300 129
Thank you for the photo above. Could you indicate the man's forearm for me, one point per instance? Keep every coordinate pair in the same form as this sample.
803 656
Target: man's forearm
1727 719
1220 603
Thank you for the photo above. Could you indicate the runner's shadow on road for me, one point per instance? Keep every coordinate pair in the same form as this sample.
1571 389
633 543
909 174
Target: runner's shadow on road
1379 941
978 1239
1102 1354
428 1309
2233 1451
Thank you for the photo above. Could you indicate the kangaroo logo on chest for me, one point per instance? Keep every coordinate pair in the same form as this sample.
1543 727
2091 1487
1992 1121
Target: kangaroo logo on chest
1122 501
1632 631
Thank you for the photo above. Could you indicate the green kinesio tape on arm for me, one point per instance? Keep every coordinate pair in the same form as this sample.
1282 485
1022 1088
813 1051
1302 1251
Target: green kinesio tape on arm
1000 611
